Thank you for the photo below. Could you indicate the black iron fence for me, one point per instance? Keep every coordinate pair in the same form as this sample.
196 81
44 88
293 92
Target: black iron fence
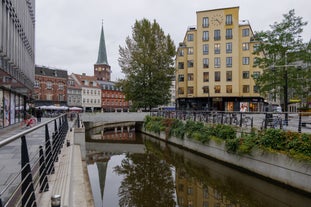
300 122
35 165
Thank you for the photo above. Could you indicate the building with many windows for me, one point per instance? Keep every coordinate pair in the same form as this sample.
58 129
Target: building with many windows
90 92
50 87
74 93
215 64
17 55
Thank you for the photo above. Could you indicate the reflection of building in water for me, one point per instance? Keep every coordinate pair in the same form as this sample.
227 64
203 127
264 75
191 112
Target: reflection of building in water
124 131
191 192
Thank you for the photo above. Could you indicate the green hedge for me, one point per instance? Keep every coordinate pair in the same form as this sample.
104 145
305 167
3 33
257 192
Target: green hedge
294 144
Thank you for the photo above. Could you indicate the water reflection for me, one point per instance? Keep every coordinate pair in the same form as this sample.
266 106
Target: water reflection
165 175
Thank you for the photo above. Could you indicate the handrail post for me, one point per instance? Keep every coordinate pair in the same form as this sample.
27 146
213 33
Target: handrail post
48 152
28 191
44 185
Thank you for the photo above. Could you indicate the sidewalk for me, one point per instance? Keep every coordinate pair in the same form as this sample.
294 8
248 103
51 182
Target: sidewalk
70 179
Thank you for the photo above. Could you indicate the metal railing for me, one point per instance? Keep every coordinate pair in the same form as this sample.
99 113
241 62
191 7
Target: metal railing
23 188
261 120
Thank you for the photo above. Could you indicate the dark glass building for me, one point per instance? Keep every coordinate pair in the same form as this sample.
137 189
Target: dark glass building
17 59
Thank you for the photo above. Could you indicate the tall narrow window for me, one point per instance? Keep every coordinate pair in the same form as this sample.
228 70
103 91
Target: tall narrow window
245 60
229 88
217 34
190 37
190 90
229 76
190 77
190 50
205 36
205 49
205 63
180 65
228 34
217 62
206 77
217 76
245 32
229 47
190 63
217 48
181 78
229 19
245 46
229 62
205 22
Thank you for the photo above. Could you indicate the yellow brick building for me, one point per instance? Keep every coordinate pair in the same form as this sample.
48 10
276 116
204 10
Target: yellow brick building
214 64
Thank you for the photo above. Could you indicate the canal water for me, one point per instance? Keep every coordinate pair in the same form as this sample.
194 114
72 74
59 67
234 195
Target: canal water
138 170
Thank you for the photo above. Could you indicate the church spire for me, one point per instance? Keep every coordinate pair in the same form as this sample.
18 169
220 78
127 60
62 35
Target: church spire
102 54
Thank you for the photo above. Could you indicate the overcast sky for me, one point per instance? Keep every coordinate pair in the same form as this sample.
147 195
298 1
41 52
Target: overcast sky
68 31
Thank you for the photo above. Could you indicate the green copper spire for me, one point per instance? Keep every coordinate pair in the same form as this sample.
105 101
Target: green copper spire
102 54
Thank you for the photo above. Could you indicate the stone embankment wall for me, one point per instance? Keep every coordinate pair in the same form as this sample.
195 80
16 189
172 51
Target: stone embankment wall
275 166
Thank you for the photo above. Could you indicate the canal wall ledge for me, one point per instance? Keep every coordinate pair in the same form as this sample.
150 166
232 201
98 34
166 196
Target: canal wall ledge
274 166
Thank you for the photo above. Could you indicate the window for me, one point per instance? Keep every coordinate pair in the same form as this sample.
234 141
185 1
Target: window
190 63
205 49
229 62
205 36
60 86
37 84
256 74
61 97
190 50
217 88
71 82
49 97
190 90
205 22
229 75
245 32
245 46
205 76
217 34
217 62
217 48
245 88
190 77
205 62
181 52
205 89
180 65
229 19
255 47
229 88
229 47
228 33
245 60
245 75
190 37
49 85
181 78
217 76
256 89
181 90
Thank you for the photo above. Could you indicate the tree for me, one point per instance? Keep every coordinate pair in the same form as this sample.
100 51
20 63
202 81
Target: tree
281 48
148 181
147 61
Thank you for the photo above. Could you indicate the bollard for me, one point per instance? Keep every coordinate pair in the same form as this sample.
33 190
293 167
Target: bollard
68 143
55 201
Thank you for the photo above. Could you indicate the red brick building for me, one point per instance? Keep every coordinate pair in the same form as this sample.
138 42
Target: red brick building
50 87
